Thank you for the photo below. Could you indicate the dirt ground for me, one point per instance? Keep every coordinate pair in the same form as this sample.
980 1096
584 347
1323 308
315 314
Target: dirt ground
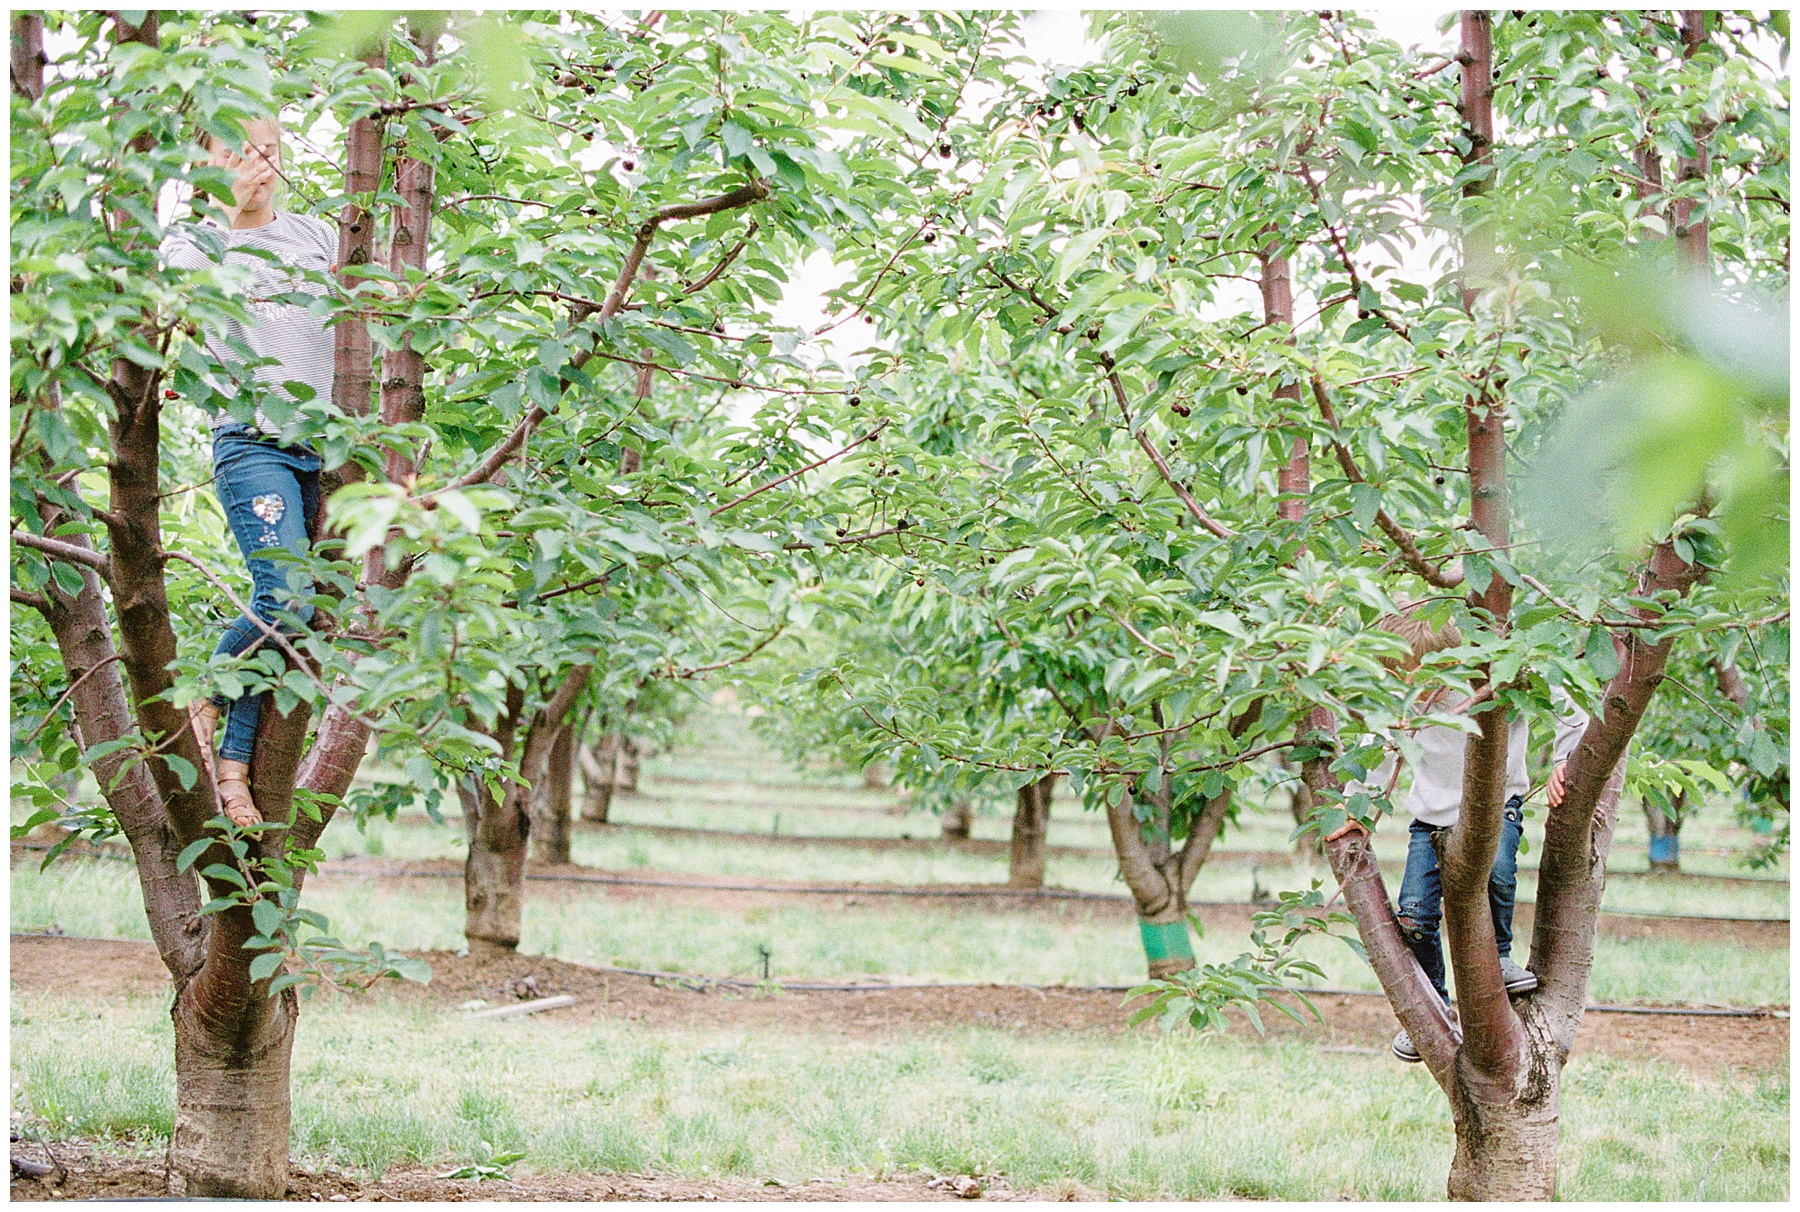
1703 1046
91 1172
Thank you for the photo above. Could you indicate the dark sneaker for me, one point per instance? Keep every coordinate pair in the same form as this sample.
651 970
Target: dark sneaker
1403 1048
1517 979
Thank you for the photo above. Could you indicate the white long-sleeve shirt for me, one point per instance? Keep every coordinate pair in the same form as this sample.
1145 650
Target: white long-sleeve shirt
1435 796
296 338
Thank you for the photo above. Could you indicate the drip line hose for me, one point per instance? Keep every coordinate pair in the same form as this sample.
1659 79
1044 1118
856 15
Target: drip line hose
1222 858
998 890
697 983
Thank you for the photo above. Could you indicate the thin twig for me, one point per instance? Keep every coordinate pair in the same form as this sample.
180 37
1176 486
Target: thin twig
1397 534
799 472
1162 465
57 706
268 630
736 660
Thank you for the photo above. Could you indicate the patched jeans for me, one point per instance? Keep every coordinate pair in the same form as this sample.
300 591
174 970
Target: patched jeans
269 493
1422 892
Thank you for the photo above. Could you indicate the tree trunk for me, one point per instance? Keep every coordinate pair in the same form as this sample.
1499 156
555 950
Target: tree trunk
1031 822
598 766
550 804
1507 1150
1300 805
28 54
875 776
232 1105
957 821
629 753
494 872
1665 835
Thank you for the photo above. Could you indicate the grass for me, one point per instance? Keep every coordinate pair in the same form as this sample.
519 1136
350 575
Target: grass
377 1086
824 937
625 848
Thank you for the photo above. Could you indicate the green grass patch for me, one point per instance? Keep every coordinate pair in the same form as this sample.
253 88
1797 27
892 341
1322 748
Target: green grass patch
825 937
1138 1117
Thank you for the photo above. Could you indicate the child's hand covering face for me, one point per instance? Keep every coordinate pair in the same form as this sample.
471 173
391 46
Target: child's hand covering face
256 170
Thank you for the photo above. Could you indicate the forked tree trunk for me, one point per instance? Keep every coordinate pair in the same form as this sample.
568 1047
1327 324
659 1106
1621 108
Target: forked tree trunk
599 764
1031 825
233 1049
1507 1150
957 821
550 806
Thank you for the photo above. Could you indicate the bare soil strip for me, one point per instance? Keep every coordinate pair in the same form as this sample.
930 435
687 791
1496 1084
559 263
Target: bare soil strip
105 969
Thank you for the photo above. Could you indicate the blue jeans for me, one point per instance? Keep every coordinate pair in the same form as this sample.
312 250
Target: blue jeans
269 493
1422 892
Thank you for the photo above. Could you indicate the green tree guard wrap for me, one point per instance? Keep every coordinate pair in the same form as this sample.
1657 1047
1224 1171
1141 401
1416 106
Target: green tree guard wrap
1165 940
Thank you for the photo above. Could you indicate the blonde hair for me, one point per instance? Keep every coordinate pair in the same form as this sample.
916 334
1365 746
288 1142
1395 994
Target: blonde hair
1419 632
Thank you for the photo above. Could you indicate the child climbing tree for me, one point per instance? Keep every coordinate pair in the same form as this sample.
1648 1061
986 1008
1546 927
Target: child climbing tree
1220 502
488 179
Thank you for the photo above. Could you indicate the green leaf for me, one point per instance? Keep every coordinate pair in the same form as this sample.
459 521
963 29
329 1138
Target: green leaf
268 917
735 138
264 965
229 875
1601 656
1365 503
192 851
184 770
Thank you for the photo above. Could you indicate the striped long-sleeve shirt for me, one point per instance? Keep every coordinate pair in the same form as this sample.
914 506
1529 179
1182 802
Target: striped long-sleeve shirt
286 332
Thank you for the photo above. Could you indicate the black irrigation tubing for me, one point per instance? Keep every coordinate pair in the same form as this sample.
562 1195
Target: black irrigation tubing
1220 858
697 983
1059 894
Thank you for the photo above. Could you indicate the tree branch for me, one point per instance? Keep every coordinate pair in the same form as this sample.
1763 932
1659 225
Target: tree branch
69 553
1162 465
744 195
1403 542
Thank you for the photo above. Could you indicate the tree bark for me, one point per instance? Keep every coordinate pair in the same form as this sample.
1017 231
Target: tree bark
1031 824
629 752
103 714
956 821
28 54
875 777
494 872
498 829
1693 243
353 374
1294 479
550 808
403 368
1506 1150
233 1049
599 764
